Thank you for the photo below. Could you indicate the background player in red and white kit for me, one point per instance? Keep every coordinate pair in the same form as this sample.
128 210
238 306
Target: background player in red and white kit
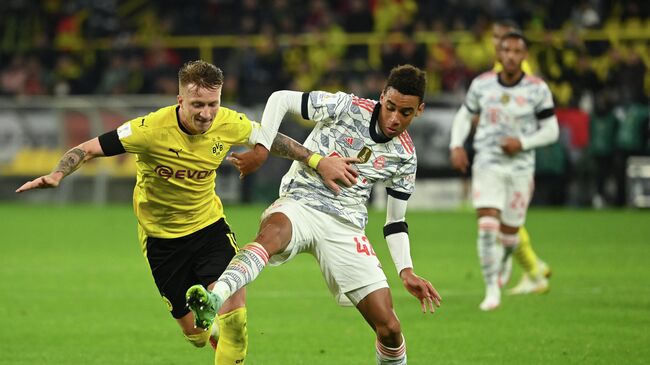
516 115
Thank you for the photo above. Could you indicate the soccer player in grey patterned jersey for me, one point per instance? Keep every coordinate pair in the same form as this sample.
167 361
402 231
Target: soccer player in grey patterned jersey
516 116
329 223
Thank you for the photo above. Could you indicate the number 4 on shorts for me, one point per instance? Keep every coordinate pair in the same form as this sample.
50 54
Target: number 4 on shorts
364 247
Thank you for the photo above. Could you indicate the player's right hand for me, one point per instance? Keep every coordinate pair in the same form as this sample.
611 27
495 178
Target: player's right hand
459 160
248 162
422 289
43 182
336 170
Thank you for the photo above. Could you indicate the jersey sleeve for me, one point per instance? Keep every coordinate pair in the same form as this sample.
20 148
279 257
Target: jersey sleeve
402 184
133 135
324 107
111 144
544 107
236 128
472 98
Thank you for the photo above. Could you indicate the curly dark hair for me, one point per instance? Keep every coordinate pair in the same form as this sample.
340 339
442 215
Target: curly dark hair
200 73
408 80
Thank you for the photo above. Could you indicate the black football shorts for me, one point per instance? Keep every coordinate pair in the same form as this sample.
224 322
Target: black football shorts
198 258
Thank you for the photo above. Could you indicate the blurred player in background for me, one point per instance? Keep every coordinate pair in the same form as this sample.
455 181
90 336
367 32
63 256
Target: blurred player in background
516 115
309 217
181 222
532 265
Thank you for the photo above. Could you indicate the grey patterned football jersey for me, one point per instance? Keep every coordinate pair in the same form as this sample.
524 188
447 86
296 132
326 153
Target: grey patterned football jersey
506 111
346 126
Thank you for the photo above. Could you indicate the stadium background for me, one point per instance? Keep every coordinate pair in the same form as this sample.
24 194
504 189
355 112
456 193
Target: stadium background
73 288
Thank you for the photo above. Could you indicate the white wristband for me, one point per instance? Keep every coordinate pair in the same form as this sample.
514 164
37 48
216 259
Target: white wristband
400 250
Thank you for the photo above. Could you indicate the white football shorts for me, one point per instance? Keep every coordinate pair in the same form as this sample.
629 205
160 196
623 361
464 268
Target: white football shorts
345 256
510 193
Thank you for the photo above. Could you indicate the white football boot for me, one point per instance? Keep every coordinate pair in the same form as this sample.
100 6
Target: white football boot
528 286
492 298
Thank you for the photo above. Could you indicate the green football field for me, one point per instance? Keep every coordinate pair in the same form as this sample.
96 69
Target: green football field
75 289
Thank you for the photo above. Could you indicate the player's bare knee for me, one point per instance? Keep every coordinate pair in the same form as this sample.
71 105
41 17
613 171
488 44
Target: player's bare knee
488 212
275 233
390 333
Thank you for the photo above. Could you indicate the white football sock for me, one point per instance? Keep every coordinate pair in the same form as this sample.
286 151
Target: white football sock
243 269
389 355
489 251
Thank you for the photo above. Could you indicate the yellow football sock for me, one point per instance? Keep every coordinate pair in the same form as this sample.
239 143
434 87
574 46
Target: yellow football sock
525 254
233 338
200 339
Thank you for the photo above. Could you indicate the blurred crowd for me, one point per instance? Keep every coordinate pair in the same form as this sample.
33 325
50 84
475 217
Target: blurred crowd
114 47
593 53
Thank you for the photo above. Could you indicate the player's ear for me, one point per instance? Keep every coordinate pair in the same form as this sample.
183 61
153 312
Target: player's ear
420 110
179 98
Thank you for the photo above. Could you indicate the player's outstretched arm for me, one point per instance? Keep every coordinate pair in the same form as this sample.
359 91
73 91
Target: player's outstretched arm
422 289
331 169
283 146
70 161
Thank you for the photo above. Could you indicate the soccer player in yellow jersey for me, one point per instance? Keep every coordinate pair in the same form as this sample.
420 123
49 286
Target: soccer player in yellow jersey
181 222
532 265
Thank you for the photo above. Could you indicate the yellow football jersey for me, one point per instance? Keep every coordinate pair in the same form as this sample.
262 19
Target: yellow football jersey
525 66
174 193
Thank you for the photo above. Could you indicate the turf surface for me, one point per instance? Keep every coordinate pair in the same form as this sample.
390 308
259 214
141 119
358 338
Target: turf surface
75 289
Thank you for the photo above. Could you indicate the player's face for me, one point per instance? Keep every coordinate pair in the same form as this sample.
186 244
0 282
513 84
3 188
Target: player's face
512 52
397 111
198 107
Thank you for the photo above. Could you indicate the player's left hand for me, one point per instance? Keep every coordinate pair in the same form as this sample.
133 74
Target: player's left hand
249 161
422 289
44 182
511 146
335 170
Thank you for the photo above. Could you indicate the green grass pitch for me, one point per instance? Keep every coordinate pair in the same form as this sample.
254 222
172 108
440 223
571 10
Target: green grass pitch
75 289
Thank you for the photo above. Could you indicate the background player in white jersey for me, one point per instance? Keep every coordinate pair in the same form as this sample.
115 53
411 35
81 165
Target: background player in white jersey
516 116
526 256
309 217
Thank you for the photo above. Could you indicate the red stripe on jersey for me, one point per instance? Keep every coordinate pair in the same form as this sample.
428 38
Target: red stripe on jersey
401 139
366 104
408 138
405 138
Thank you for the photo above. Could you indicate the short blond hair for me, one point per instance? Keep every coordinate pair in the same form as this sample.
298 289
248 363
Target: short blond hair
200 73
